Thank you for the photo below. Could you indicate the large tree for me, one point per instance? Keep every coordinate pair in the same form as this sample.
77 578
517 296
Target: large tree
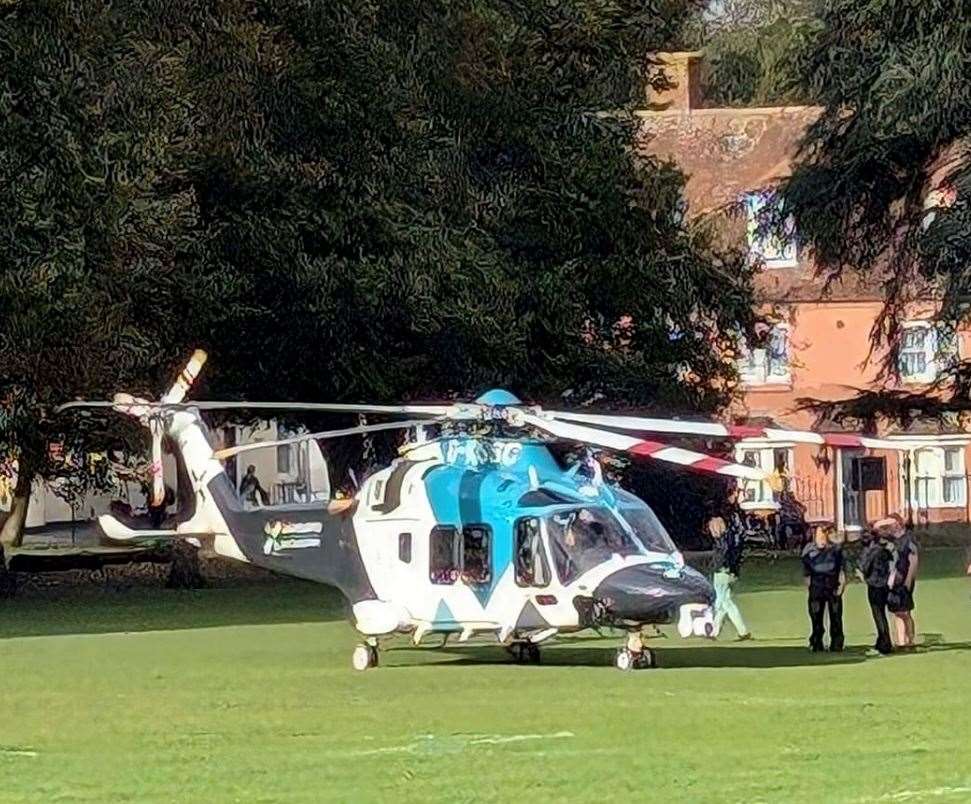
368 200
753 50
451 189
98 222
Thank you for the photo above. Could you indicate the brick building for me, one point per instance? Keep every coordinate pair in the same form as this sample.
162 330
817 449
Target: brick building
819 344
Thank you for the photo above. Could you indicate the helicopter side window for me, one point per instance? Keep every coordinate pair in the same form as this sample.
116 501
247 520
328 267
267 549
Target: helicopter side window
476 566
404 548
444 555
532 568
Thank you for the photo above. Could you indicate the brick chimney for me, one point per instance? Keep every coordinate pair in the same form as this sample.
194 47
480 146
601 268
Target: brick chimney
677 79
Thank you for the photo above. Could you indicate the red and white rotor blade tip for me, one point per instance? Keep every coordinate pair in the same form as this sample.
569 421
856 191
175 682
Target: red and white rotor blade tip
186 377
647 449
717 430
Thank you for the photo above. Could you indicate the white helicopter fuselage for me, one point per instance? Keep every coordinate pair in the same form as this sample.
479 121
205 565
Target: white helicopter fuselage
460 536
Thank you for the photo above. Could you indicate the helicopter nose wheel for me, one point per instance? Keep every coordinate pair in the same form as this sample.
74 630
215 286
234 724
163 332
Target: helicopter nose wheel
364 656
634 656
628 660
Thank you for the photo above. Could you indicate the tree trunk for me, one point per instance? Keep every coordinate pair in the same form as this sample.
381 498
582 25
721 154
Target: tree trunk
8 581
184 570
12 532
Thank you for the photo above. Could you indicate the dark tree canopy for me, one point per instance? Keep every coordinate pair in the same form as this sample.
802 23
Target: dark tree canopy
347 201
96 217
455 209
753 50
882 185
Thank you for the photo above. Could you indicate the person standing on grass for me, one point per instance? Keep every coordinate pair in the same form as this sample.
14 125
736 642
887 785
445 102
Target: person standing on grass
822 564
726 564
876 559
903 577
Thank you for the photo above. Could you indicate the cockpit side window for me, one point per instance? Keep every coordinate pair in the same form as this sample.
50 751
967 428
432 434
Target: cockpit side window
585 537
531 566
444 555
476 564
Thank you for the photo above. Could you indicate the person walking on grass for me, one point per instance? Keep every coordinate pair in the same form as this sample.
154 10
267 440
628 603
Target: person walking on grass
875 563
822 563
903 577
726 564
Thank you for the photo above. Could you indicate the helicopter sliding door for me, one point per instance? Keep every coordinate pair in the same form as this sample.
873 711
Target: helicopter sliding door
532 567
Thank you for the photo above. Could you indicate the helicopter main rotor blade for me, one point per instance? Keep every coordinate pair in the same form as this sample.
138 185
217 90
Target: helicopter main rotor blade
229 452
647 449
716 430
323 407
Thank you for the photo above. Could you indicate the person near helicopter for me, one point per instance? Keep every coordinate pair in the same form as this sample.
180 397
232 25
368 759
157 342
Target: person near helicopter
251 491
728 545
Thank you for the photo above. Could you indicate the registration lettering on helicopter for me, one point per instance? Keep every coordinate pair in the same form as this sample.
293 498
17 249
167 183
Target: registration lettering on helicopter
472 452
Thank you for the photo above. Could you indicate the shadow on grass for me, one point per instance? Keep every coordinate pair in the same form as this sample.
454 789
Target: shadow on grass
93 610
751 656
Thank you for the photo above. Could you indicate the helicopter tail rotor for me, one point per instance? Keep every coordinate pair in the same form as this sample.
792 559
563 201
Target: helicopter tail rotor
152 416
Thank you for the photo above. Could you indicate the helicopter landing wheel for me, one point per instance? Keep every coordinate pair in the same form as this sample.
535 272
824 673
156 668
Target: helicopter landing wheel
364 656
626 659
524 652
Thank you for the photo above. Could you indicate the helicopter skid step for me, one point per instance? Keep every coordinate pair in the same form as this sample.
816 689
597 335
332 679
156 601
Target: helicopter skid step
118 532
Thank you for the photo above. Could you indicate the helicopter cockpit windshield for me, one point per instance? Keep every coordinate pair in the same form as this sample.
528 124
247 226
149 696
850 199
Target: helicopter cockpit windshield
583 538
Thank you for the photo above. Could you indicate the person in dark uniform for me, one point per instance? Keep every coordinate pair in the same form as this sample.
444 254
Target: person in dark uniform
903 577
250 489
822 563
875 562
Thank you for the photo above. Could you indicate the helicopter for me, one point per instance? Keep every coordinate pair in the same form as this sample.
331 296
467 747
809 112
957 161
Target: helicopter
477 530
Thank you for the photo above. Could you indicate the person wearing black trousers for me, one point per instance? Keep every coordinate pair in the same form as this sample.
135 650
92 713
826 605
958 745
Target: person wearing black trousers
822 563
874 567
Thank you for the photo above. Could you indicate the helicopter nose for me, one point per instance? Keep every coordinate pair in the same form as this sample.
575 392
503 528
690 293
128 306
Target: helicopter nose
645 594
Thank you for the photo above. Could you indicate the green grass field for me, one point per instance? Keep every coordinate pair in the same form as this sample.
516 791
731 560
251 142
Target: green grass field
246 694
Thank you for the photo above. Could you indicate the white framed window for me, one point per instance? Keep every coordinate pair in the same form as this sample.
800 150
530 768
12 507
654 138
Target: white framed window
924 350
937 477
767 364
775 460
772 249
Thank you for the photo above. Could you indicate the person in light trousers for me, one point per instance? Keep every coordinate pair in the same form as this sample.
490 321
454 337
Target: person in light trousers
726 564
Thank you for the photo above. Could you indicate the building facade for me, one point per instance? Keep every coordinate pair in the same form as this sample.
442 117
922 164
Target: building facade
819 344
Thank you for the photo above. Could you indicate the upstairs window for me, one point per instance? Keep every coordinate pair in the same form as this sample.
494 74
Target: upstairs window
766 246
925 350
476 566
531 566
444 555
767 364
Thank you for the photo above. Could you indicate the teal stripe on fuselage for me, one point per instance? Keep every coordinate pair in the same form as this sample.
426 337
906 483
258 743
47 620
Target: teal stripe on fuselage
481 484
